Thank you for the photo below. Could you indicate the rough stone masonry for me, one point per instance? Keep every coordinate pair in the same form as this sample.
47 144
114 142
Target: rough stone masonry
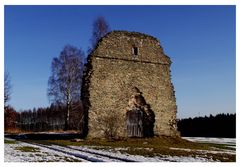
127 88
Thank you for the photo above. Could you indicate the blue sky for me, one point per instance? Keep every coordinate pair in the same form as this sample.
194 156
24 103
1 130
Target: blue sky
200 40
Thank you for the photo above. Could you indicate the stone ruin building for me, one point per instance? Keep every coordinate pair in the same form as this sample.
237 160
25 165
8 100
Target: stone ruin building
127 89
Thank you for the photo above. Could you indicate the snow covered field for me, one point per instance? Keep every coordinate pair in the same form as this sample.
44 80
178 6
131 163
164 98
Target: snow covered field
226 141
56 153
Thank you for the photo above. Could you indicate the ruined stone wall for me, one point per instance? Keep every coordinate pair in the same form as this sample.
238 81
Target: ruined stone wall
113 71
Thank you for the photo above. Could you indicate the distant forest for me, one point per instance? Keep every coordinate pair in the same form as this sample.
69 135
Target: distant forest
221 125
43 119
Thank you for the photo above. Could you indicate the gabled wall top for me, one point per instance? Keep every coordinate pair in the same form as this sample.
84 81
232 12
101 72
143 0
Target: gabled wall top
131 46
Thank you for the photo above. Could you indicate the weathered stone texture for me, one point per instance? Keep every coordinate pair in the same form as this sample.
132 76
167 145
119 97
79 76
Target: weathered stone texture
112 72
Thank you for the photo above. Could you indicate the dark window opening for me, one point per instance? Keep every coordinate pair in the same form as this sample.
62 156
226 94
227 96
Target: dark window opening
135 50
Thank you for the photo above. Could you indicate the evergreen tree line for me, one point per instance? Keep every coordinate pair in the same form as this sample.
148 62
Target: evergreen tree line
43 119
221 125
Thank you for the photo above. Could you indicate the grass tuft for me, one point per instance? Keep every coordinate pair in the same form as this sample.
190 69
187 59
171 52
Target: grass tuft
27 149
9 142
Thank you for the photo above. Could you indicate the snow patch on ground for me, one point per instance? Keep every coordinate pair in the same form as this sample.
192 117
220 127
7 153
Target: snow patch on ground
219 151
11 154
88 156
226 141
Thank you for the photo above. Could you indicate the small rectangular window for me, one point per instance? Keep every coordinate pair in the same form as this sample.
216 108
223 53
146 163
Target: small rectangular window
135 50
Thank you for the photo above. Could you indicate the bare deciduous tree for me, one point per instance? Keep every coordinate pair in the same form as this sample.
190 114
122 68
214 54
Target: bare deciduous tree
65 80
7 88
100 28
